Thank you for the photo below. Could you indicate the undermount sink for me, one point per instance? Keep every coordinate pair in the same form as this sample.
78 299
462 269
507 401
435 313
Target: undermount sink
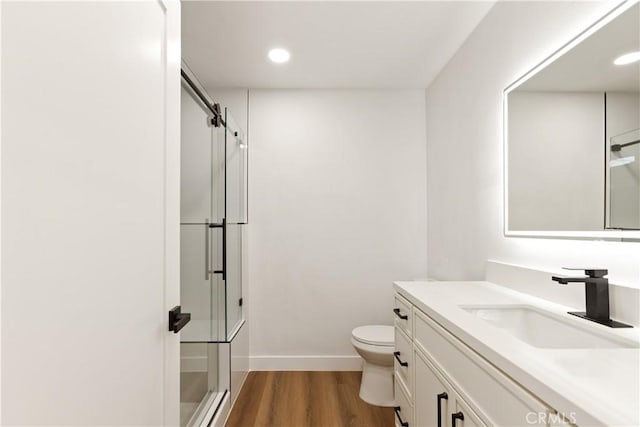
543 329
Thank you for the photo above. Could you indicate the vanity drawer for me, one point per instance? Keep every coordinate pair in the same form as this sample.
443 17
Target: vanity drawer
403 315
498 399
403 409
404 355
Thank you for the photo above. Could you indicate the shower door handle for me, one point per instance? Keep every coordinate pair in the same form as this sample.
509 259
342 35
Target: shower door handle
207 270
222 225
224 249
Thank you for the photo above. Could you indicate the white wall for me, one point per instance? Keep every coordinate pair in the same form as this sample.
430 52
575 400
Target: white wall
464 147
337 212
1 218
556 157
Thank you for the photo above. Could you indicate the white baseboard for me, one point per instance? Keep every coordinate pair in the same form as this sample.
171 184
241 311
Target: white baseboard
305 363
193 364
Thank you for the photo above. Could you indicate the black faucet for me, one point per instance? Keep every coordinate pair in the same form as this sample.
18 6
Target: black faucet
596 287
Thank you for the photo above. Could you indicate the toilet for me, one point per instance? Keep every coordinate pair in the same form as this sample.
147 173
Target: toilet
375 344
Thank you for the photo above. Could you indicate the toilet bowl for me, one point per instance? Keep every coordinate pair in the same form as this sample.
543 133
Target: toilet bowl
375 344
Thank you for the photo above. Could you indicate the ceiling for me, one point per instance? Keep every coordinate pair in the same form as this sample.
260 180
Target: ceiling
588 67
359 44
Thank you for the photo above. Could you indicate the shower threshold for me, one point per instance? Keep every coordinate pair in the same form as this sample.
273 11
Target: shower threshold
207 409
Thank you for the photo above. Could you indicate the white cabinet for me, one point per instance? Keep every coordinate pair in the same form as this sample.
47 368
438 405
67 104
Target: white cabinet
403 363
463 415
450 379
403 318
403 409
431 395
436 402
497 397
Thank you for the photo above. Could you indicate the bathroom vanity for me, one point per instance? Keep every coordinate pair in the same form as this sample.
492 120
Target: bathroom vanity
480 354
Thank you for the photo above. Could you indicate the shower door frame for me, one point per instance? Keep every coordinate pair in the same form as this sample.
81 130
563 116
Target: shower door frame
212 406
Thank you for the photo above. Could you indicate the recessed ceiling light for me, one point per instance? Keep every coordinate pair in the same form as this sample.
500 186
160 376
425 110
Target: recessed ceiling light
628 58
279 55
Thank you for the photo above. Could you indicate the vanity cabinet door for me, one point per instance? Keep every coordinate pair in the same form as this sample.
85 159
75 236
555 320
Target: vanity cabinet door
436 403
432 397
463 416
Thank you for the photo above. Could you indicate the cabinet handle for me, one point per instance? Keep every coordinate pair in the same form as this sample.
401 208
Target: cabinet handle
456 416
402 316
397 411
441 396
396 354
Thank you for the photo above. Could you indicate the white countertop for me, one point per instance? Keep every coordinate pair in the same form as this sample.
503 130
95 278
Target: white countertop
601 386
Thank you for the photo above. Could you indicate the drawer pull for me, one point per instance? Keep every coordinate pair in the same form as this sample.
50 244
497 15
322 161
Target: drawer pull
440 397
396 354
456 416
397 411
402 316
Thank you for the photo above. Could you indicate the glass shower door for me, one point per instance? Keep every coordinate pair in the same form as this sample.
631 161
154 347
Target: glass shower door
201 205
236 165
213 213
624 181
236 213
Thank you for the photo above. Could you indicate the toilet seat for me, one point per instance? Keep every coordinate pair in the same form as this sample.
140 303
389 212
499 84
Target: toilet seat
377 335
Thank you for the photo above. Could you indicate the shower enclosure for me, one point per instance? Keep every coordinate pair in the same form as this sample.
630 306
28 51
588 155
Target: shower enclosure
213 213
624 181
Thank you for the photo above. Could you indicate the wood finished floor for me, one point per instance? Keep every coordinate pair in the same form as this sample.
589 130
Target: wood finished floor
305 399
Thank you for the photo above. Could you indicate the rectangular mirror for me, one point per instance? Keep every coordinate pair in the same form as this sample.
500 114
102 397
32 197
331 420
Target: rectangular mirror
572 137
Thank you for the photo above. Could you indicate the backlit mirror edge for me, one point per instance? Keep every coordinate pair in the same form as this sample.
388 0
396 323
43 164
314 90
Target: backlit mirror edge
618 235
